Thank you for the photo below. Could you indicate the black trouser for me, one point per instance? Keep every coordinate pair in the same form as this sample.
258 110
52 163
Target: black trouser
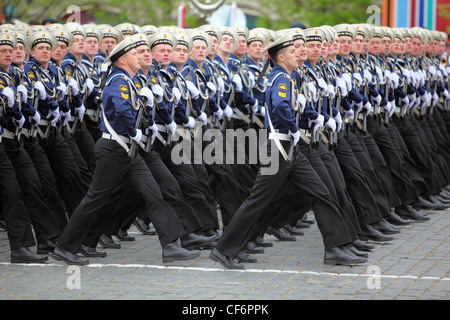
357 184
377 175
65 169
115 168
250 217
47 179
327 168
43 219
83 168
419 150
387 143
192 189
15 213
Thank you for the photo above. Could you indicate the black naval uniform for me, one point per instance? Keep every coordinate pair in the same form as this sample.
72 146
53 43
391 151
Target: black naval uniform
300 174
118 97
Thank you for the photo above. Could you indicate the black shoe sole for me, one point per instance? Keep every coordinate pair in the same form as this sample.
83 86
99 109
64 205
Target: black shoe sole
199 246
15 260
95 255
173 259
59 258
214 258
279 238
343 263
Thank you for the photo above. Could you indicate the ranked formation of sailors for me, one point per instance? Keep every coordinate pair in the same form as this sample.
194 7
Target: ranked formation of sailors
91 116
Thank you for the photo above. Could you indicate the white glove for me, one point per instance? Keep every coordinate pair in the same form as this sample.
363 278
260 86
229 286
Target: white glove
295 136
36 118
192 89
62 88
376 100
392 110
90 85
154 129
221 85
251 79
65 116
55 114
138 136
380 74
238 82
177 94
338 120
446 94
358 106
412 100
19 122
323 85
146 93
432 70
395 79
72 83
312 89
318 123
331 124
407 75
212 89
424 99
340 83
301 100
368 76
404 102
40 88
23 92
80 111
349 114
348 81
219 113
104 67
228 112
358 78
171 127
202 117
387 107
442 68
190 124
435 99
367 108
255 106
158 92
387 73
9 94
417 103
331 91
262 112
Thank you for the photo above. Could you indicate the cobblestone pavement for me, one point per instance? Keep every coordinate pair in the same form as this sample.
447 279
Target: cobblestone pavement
414 266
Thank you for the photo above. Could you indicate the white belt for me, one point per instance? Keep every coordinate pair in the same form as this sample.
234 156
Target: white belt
161 127
110 137
281 136
91 112
306 132
44 122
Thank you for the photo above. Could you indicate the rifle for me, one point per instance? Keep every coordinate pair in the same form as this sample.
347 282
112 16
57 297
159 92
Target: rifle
132 150
98 97
332 136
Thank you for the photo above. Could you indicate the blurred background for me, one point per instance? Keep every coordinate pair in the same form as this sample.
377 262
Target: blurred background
273 14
